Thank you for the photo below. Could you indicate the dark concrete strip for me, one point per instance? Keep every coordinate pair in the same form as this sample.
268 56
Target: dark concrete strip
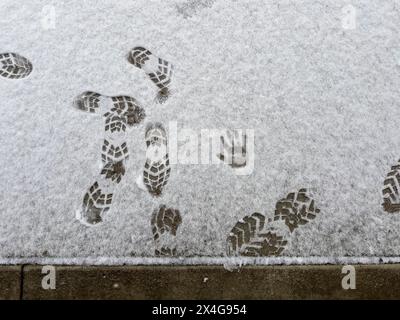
212 282
10 282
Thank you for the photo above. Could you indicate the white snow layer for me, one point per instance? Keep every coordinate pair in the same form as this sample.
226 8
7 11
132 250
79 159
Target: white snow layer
322 97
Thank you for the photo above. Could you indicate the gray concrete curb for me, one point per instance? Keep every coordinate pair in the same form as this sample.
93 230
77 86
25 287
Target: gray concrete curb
200 282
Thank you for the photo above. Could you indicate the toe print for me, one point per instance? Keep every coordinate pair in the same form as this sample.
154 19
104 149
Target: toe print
390 192
119 113
258 236
234 149
156 169
14 66
165 223
296 209
158 70
253 237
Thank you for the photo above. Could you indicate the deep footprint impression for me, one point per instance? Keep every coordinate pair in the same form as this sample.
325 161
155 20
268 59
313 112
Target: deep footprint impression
257 236
14 66
156 169
119 113
164 223
158 70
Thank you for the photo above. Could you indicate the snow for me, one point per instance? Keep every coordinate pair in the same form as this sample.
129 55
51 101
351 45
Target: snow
321 95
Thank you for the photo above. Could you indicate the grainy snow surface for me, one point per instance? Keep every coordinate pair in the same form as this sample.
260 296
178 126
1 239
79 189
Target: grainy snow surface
322 98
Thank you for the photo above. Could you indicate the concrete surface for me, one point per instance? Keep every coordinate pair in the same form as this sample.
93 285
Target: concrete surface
211 282
10 282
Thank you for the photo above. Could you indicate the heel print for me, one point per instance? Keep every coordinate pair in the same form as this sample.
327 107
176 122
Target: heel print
14 66
88 101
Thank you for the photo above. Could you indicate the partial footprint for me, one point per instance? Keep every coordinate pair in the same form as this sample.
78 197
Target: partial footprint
252 237
95 203
14 66
119 113
258 236
296 209
390 192
159 70
157 169
164 223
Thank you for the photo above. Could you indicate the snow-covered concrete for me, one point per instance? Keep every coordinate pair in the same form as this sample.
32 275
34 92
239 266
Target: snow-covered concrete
319 88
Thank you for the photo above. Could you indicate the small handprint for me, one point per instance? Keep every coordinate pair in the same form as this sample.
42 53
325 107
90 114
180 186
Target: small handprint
234 150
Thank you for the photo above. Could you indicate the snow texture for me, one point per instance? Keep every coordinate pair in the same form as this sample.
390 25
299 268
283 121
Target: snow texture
321 96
